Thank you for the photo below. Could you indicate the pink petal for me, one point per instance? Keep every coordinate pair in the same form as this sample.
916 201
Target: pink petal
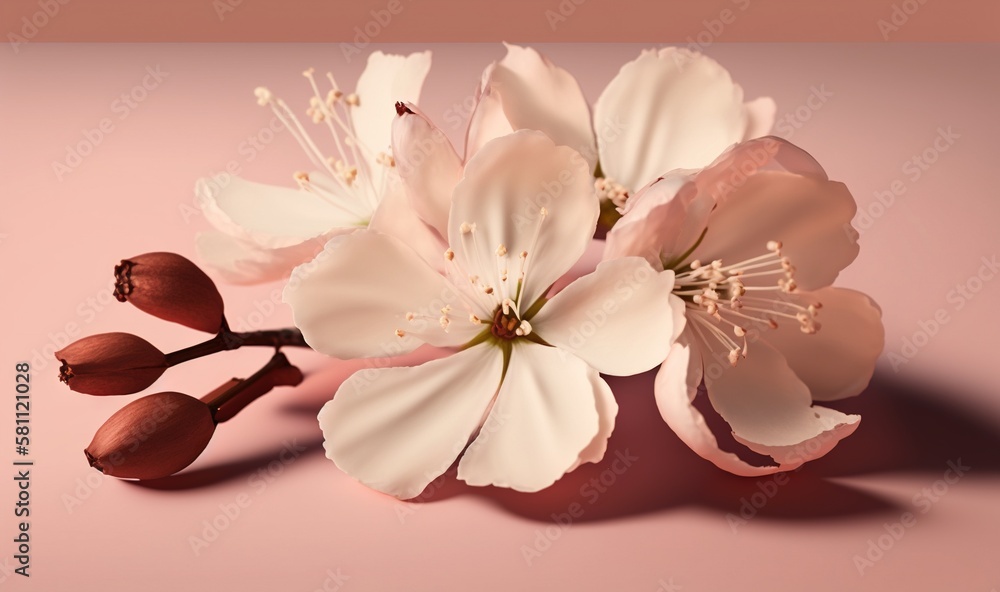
398 429
769 408
621 319
675 109
661 221
241 261
506 187
676 387
838 360
352 298
534 93
543 419
428 165
811 218
835 427
488 120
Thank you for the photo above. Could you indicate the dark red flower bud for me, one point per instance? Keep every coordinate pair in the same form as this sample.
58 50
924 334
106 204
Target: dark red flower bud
172 288
110 364
152 437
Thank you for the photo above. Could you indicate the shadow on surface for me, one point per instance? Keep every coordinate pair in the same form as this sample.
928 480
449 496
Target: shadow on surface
227 471
648 469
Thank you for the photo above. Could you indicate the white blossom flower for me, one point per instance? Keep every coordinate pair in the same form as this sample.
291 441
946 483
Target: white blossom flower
668 109
756 240
263 231
524 387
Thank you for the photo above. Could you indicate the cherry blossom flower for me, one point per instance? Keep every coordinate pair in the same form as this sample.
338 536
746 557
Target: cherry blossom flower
756 240
263 231
524 385
668 109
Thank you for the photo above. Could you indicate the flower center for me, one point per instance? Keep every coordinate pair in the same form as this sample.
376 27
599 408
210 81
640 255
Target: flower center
610 190
349 164
719 301
495 296
507 326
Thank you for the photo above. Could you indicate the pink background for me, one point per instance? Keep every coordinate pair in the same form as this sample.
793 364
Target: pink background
663 521
511 20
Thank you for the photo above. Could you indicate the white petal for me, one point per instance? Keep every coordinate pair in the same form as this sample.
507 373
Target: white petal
838 360
488 121
619 319
240 261
397 429
675 108
760 117
351 299
506 187
396 216
270 216
768 407
386 79
543 418
534 93
428 164
607 411
812 219
676 387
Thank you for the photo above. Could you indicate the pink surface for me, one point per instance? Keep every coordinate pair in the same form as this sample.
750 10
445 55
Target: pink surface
396 21
665 519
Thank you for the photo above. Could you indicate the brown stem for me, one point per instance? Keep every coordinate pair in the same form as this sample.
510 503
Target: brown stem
230 398
228 340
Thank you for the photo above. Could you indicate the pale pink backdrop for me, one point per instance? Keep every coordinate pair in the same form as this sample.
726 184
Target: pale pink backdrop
662 524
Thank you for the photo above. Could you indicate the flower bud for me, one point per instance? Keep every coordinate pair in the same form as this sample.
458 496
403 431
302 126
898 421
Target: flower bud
110 364
152 437
172 288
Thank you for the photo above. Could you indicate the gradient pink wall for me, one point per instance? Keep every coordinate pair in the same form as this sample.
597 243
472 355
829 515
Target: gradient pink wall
663 521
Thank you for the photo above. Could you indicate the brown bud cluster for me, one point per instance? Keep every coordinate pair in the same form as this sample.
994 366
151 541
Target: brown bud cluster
110 364
172 288
152 437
